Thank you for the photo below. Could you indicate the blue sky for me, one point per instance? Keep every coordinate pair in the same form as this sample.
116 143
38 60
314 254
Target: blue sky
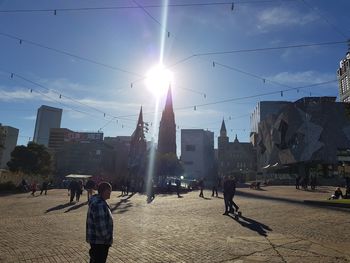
127 41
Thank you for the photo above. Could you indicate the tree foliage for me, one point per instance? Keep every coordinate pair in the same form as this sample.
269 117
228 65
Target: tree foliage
33 159
168 165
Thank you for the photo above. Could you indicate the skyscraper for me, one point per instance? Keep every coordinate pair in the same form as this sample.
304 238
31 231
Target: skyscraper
8 141
46 118
167 128
343 74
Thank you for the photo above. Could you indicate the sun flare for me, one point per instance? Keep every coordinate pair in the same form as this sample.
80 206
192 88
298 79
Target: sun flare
158 80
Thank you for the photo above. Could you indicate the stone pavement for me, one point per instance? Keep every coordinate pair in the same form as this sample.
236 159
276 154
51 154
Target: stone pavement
171 229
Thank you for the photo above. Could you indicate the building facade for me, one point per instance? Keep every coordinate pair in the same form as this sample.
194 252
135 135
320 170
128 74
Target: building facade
197 154
235 158
306 133
8 142
47 118
262 110
59 136
343 74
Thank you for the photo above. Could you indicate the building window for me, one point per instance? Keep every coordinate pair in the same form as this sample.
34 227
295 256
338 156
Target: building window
190 148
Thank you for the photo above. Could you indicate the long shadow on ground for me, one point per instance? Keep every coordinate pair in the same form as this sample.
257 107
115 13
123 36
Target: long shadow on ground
123 205
76 207
288 200
58 207
252 224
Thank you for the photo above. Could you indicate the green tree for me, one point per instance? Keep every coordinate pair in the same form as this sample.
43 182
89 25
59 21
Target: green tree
33 159
168 164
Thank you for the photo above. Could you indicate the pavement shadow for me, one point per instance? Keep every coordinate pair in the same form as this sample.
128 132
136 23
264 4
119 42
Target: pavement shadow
288 200
58 207
76 207
253 225
123 204
206 198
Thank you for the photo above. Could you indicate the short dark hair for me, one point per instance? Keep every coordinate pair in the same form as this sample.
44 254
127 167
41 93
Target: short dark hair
103 186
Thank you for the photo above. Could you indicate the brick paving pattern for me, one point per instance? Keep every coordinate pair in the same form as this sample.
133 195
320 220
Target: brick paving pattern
171 229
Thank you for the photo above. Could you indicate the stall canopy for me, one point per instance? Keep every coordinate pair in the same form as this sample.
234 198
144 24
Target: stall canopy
78 176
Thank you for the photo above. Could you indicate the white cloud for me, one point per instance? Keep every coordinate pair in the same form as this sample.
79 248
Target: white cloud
30 118
282 17
16 94
303 78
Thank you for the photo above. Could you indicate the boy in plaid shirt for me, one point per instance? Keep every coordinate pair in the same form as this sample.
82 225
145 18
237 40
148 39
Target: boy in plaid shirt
99 224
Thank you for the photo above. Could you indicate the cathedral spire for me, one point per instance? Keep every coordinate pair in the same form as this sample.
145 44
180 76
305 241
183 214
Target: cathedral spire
167 128
223 131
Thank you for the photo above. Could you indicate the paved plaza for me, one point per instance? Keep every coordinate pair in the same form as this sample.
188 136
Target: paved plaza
276 226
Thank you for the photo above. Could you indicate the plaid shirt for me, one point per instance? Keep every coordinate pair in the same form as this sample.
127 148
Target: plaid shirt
99 222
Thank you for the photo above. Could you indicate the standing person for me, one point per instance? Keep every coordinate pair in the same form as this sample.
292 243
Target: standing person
178 184
297 181
44 187
79 190
90 186
201 187
216 186
99 224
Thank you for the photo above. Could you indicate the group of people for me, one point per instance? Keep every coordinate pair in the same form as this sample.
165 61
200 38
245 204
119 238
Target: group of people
33 187
75 189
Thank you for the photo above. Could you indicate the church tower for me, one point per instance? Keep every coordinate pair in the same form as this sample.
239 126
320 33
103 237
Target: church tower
223 147
167 128
138 148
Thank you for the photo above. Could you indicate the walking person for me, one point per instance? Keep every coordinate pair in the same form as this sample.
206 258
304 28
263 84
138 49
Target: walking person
33 187
99 224
44 187
233 192
201 187
73 189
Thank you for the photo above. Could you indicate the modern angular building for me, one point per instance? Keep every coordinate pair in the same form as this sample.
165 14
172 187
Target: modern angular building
8 142
343 74
305 134
47 118
262 110
197 153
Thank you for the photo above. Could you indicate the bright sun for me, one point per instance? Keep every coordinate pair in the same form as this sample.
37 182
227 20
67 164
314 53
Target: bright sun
158 80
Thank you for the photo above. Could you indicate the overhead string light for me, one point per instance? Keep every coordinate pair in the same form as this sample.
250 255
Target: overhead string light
195 108
281 93
12 75
20 41
55 12
131 85
213 64
232 6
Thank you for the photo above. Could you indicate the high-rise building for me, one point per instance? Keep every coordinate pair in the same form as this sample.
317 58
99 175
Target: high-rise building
47 118
59 136
343 74
8 142
197 153
167 128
